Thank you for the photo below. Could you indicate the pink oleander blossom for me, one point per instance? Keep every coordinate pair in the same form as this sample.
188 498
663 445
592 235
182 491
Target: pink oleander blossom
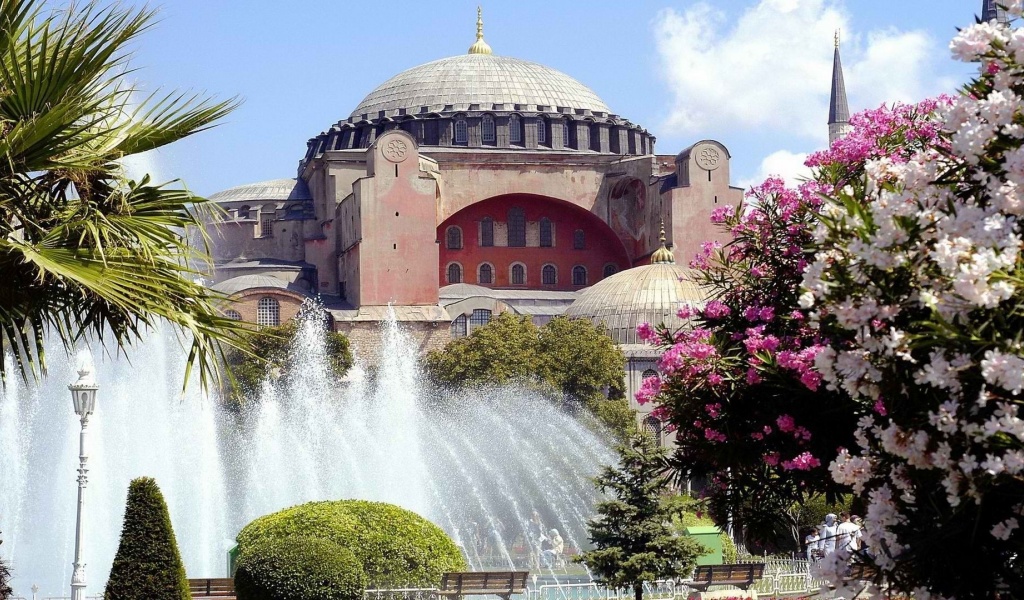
647 333
649 389
716 310
786 423
803 462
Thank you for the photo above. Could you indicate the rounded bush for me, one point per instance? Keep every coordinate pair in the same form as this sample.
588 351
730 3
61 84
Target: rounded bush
299 568
396 547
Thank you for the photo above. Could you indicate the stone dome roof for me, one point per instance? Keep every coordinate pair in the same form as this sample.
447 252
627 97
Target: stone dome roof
274 189
483 80
648 294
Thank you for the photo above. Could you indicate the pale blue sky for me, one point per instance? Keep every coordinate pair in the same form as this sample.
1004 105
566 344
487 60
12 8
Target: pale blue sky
302 65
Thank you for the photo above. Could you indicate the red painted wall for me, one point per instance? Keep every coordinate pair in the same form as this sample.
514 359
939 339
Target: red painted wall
602 246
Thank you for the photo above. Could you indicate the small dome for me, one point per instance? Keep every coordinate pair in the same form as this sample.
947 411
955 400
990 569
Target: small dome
274 189
458 82
649 294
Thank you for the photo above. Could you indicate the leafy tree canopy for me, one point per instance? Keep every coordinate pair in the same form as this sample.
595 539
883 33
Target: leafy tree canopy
269 354
569 355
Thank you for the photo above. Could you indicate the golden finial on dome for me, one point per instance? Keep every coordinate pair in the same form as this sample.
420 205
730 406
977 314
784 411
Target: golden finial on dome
662 255
479 46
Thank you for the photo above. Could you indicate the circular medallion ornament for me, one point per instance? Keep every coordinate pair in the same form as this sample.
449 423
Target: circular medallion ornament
708 158
395 150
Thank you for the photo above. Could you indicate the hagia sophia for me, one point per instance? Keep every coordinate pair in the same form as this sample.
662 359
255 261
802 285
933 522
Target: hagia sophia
474 185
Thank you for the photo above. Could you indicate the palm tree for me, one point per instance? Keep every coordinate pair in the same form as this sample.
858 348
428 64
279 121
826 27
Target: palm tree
85 251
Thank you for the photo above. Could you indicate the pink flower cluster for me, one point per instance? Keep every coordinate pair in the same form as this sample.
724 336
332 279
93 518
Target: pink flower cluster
649 389
803 462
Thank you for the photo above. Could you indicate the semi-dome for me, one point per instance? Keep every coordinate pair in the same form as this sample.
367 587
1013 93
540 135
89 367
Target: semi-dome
649 294
479 82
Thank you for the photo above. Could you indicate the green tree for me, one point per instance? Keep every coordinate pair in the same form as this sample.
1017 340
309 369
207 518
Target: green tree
85 250
574 357
269 351
632 534
504 350
147 565
5 576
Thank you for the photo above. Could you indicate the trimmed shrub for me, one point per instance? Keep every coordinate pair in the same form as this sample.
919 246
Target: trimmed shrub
147 565
299 568
396 547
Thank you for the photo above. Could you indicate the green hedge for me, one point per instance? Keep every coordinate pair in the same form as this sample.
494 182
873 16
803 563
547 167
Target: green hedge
396 547
299 568
147 565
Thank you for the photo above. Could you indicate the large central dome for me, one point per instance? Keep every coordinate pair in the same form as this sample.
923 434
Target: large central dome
478 82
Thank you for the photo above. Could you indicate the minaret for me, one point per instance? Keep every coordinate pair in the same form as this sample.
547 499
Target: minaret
479 46
838 109
991 9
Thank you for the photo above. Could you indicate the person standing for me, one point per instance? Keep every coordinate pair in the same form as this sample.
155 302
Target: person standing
828 532
813 541
849 534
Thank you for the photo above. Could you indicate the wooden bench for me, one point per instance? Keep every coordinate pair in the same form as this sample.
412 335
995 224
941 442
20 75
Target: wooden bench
860 572
474 583
742 576
223 589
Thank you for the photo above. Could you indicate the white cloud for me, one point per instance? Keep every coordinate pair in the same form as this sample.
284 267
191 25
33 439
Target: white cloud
782 163
770 68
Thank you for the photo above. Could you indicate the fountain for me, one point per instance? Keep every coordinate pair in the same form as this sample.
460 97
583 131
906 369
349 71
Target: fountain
477 463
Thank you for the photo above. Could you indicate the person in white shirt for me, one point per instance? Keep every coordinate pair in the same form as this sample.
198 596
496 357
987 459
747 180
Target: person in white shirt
828 532
813 541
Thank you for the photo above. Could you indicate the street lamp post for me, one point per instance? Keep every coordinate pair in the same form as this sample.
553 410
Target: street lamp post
83 395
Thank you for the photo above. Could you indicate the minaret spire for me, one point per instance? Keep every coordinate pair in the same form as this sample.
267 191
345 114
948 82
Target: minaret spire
479 46
992 9
838 109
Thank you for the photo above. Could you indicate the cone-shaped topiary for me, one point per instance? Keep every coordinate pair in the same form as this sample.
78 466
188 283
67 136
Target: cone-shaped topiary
299 568
147 565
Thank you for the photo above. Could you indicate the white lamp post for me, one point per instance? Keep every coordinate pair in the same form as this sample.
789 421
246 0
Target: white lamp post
83 395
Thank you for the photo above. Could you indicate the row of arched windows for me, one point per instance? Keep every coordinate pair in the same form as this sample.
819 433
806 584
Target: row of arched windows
517 274
488 131
516 233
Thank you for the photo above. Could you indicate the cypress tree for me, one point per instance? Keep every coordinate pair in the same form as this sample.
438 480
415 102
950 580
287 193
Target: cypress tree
632 533
147 565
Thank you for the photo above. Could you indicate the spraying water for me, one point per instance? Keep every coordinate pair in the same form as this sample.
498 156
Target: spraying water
479 463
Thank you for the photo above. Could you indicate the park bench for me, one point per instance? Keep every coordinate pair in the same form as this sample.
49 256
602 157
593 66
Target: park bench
742 576
223 589
860 572
497 583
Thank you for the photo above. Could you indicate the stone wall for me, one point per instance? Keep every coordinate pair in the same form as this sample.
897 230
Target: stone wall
368 341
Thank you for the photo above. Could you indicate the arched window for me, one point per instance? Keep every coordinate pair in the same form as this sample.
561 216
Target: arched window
609 270
549 275
486 274
487 232
267 225
455 273
454 238
243 212
234 315
579 275
649 373
542 131
515 129
268 312
545 232
461 131
459 327
516 227
579 240
481 317
653 428
566 137
518 276
487 129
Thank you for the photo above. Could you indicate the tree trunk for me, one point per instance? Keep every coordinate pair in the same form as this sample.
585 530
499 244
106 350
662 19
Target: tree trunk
638 591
